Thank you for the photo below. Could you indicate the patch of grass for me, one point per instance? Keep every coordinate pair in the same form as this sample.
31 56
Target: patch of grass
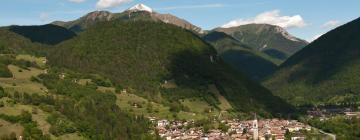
39 117
38 60
169 84
126 101
14 110
7 128
84 81
21 81
197 108
224 104
72 136
26 74
106 89
192 116
196 105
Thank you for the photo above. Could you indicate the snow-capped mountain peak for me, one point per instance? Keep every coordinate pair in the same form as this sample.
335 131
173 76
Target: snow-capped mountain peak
140 7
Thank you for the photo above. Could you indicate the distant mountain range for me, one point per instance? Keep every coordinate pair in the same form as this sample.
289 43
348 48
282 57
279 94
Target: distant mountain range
254 49
268 45
243 58
171 65
143 54
137 12
327 71
271 40
140 49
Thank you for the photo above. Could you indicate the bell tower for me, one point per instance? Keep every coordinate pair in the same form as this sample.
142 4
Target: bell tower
255 128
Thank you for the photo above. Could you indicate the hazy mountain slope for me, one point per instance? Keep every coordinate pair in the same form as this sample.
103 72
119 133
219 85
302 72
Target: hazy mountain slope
137 12
11 43
326 71
269 39
86 21
46 34
141 55
243 58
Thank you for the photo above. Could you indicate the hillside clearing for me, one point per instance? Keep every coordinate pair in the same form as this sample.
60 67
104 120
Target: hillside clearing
7 128
21 81
41 61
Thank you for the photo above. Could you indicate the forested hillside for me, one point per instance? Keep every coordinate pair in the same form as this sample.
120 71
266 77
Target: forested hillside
11 43
271 40
41 106
46 34
243 58
325 72
142 55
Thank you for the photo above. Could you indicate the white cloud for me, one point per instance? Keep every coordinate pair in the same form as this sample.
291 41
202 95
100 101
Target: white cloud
314 37
331 24
44 17
270 17
192 7
102 4
77 1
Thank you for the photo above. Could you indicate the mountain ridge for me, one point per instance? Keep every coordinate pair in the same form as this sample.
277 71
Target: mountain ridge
324 72
272 40
240 56
145 12
48 34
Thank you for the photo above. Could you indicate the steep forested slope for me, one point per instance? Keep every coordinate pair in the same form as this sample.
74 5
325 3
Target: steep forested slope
141 55
326 71
252 63
46 34
271 40
11 42
80 110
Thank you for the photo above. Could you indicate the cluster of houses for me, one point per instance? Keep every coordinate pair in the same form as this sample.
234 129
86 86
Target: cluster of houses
237 130
265 129
325 113
177 129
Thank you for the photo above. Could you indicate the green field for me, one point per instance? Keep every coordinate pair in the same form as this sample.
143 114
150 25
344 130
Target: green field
140 106
21 81
106 89
224 104
39 117
84 81
73 136
7 128
40 61
127 102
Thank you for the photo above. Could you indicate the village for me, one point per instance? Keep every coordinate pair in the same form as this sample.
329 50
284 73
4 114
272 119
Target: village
235 130
324 113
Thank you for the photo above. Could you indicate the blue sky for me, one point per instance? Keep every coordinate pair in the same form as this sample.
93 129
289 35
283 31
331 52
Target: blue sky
303 18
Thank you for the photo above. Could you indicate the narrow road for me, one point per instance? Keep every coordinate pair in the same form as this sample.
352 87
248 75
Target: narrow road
333 136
